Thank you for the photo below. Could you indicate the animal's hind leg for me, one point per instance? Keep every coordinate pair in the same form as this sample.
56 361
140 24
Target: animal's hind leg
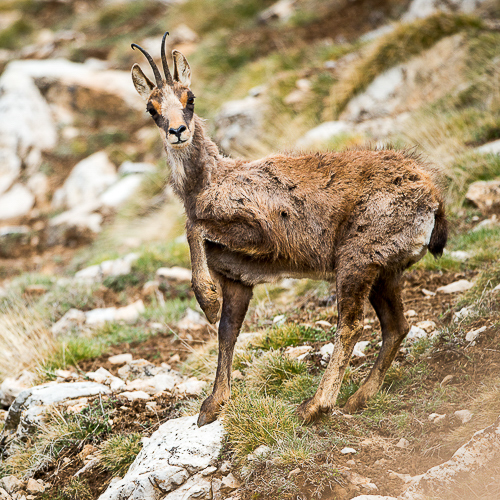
385 298
353 288
235 299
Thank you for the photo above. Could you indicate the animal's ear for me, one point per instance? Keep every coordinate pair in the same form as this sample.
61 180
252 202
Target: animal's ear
182 71
142 83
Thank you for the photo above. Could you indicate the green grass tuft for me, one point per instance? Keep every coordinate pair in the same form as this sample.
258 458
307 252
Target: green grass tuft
118 452
271 371
251 420
289 335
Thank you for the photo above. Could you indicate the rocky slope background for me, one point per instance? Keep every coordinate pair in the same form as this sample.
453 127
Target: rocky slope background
105 356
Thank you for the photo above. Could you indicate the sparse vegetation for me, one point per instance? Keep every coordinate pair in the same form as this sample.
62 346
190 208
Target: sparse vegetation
119 451
59 431
396 47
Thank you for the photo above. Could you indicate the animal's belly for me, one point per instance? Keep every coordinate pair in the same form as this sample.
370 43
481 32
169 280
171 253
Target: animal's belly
252 271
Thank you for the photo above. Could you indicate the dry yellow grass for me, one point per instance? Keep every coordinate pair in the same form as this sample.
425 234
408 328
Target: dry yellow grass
25 339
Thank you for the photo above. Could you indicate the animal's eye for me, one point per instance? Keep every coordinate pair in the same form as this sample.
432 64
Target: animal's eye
152 111
190 101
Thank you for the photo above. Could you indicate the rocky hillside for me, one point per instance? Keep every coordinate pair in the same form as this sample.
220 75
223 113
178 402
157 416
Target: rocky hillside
105 356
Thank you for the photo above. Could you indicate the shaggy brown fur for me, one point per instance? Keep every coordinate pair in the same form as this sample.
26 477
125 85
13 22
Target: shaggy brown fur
366 215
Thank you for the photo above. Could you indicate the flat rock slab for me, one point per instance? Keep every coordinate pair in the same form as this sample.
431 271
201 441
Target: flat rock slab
170 462
29 403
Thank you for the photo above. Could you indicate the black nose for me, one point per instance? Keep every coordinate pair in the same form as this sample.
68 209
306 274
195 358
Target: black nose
177 131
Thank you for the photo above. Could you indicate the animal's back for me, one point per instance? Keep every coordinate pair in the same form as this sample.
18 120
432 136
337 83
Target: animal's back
307 205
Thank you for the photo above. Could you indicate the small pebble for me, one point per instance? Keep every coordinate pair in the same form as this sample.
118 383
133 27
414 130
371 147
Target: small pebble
347 451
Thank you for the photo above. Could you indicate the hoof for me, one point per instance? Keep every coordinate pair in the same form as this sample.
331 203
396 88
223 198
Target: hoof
354 404
309 411
209 412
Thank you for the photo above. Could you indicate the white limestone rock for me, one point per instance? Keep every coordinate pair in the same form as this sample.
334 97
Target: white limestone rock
427 326
464 415
130 314
323 133
26 125
120 359
359 349
121 191
379 98
347 451
99 316
485 195
74 318
456 287
419 9
239 123
31 404
175 274
78 225
192 320
490 148
88 179
191 387
138 368
295 352
327 350
116 267
173 457
134 395
16 202
11 387
73 77
474 334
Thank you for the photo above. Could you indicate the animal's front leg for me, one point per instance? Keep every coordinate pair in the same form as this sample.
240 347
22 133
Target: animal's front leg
235 299
204 287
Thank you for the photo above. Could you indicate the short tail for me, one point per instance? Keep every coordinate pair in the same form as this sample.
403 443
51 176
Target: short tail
439 235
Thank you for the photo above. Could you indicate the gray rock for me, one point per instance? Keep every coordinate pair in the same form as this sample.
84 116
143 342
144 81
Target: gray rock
121 191
75 226
11 484
173 274
120 359
239 123
281 10
4 495
485 195
72 319
490 148
172 457
419 9
464 415
13 386
16 202
31 403
323 133
379 99
138 368
116 267
26 125
456 287
88 179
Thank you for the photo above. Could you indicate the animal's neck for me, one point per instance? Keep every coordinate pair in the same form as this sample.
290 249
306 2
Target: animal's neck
191 167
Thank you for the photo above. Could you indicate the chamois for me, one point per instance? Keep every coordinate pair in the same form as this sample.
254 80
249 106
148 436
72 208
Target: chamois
360 217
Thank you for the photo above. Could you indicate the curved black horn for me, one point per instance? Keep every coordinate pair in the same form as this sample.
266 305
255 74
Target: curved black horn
168 76
159 80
